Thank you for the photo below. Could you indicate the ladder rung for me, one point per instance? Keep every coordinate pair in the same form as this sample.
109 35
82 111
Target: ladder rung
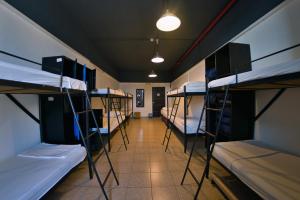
91 134
84 111
194 177
214 109
208 133
106 177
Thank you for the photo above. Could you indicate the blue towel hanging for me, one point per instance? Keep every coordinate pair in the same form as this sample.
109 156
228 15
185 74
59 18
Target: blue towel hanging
84 72
76 128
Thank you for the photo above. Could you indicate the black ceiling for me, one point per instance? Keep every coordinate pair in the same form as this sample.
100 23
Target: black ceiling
115 34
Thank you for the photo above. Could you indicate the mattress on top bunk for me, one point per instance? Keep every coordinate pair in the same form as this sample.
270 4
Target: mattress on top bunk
270 173
31 177
197 86
108 91
25 74
191 124
259 73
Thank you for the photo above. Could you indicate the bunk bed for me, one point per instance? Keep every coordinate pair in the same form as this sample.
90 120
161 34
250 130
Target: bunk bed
32 173
114 116
271 173
186 125
128 104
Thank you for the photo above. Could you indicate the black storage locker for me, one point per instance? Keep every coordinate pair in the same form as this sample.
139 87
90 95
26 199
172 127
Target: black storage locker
71 68
238 117
57 119
59 65
231 59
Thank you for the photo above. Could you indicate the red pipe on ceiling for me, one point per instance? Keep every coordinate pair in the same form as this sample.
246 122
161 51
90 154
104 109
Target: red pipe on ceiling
207 29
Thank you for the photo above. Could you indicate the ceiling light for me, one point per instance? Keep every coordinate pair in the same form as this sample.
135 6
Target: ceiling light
168 22
157 58
152 74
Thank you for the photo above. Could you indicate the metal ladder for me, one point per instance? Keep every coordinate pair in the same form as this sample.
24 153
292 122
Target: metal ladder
170 122
116 105
211 139
85 141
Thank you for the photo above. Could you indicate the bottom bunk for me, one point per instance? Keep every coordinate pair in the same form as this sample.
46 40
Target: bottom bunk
113 121
191 122
31 174
270 173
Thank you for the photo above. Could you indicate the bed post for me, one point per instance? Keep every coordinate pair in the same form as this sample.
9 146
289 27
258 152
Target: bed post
167 106
86 103
108 117
185 113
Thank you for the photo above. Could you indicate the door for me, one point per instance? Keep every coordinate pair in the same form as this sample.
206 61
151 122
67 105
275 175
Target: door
158 100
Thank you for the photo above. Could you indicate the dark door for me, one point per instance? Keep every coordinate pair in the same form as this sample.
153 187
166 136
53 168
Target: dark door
158 100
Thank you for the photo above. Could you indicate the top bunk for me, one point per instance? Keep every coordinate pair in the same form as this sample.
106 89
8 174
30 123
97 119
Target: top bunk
284 75
108 92
129 95
18 79
189 89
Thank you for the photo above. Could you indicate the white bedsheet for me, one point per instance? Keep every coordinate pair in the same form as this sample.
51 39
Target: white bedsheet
164 112
49 151
191 124
271 174
118 92
31 178
113 124
229 152
197 86
25 74
260 73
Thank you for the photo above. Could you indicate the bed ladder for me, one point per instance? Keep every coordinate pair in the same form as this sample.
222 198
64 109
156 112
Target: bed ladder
85 141
170 122
211 139
116 105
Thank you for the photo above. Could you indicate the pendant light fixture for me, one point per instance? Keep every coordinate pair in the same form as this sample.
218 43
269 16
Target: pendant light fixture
152 74
168 22
156 58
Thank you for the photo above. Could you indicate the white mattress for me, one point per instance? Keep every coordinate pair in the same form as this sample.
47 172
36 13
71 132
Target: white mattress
270 173
260 73
229 152
198 86
108 91
32 177
25 74
164 112
113 124
191 124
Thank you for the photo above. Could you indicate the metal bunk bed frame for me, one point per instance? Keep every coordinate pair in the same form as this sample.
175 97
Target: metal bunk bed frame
187 98
127 114
113 102
280 82
9 87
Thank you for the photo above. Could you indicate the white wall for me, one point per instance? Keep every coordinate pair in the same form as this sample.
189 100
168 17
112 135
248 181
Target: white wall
196 73
21 36
279 126
131 88
279 29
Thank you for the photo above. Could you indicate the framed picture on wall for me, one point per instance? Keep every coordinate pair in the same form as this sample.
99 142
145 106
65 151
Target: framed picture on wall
139 97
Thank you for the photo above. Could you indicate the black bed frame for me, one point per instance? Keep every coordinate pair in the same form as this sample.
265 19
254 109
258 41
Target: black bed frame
281 82
9 87
114 102
187 98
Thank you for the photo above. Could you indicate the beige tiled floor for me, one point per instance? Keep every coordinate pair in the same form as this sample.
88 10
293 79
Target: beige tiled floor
145 171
